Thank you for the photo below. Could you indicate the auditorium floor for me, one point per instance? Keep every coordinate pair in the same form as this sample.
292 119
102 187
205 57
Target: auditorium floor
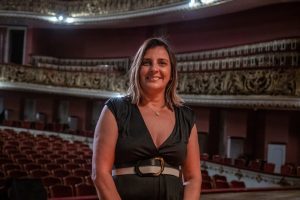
270 195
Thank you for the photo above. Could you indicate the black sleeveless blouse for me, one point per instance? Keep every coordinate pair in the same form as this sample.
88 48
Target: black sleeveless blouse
135 143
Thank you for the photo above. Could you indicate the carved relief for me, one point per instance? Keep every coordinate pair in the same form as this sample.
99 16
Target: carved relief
246 82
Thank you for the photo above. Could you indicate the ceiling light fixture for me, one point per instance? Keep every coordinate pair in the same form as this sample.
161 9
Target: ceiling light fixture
207 1
193 3
60 18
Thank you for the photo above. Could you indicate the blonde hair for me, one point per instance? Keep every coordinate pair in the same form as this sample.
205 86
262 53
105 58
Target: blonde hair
135 90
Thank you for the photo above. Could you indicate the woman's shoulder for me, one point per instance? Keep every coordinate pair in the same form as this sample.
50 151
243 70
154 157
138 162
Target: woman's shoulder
118 103
185 109
186 112
118 100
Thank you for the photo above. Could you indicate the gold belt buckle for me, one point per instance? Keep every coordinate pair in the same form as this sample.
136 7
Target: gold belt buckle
162 166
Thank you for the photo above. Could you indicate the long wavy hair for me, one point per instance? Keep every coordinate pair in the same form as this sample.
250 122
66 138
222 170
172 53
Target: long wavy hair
135 90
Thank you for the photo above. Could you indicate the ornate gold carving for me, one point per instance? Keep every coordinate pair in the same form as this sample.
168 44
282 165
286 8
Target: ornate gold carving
203 165
239 174
258 178
283 182
81 8
221 170
297 92
246 82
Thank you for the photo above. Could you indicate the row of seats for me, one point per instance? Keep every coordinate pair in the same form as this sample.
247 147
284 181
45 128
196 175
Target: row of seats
219 182
79 64
53 187
255 165
54 127
63 167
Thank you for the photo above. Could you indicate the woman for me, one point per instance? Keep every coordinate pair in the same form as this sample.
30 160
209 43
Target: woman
146 143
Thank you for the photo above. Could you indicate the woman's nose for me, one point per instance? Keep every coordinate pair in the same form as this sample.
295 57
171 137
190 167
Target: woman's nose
154 67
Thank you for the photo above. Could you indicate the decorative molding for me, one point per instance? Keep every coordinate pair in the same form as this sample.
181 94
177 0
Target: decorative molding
125 13
84 8
279 45
253 102
276 53
91 93
79 64
240 101
269 80
243 82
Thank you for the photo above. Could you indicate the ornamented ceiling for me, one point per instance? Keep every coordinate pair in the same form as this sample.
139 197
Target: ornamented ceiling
106 13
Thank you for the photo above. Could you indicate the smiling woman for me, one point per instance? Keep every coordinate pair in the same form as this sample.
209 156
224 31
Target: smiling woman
155 71
134 158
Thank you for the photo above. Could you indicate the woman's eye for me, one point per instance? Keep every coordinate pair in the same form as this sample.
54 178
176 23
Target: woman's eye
146 63
162 63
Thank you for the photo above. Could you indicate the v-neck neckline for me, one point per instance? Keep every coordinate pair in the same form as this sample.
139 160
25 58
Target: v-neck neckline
148 131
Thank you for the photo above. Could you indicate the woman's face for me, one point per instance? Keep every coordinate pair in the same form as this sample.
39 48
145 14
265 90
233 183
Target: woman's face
155 70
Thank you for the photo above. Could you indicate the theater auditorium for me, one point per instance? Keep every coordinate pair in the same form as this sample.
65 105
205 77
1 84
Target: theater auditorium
238 64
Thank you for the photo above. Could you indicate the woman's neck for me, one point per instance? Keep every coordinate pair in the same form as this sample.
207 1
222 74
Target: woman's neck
156 101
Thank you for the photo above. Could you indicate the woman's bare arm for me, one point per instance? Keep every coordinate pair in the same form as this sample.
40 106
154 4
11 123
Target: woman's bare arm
105 138
191 168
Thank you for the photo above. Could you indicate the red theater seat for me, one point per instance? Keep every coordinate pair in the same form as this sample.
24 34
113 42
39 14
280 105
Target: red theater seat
227 161
23 161
16 173
221 184
25 124
87 166
59 190
204 172
62 161
39 173
17 156
43 161
88 180
10 166
206 178
84 189
254 165
72 181
54 156
81 172
39 126
71 166
206 185
31 166
269 167
217 158
237 184
218 177
52 166
60 173
286 170
51 180
240 163
79 161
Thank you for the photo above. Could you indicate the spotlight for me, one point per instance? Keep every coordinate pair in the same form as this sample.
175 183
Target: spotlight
193 3
207 1
69 20
60 18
